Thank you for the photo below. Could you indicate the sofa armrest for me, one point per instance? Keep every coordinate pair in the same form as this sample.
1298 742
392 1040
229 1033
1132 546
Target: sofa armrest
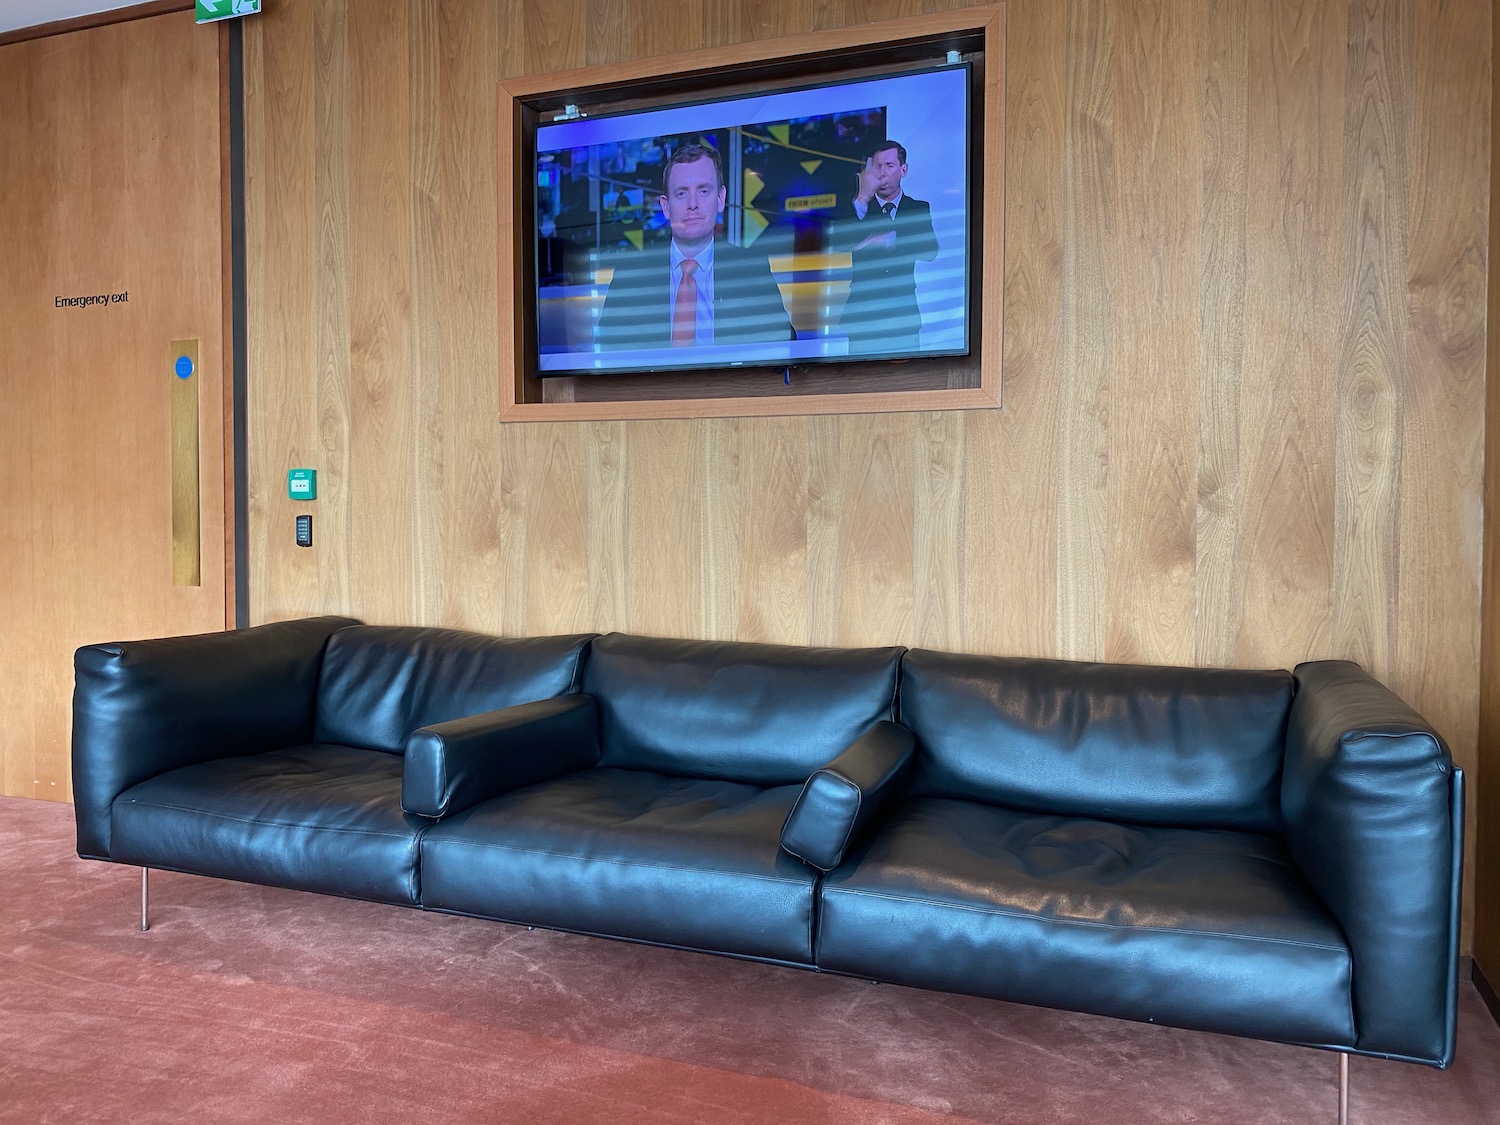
839 801
451 766
1373 809
141 708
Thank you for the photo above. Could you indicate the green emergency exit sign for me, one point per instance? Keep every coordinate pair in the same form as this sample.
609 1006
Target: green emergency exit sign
211 10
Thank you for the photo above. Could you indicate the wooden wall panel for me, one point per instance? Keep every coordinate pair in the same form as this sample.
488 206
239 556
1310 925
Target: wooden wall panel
654 29
937 522
427 62
607 525
664 523
1376 186
1288 390
1089 197
324 260
1012 539
109 185
387 386
544 533
1152 274
1224 69
1243 310
863 470
462 297
720 546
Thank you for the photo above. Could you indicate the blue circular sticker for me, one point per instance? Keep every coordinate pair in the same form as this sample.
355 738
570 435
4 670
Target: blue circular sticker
184 367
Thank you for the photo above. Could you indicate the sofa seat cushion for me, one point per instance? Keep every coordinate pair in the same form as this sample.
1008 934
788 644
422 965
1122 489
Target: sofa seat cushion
318 818
677 861
1207 929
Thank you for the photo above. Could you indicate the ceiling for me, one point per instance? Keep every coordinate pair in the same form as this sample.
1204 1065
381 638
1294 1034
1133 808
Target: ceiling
27 13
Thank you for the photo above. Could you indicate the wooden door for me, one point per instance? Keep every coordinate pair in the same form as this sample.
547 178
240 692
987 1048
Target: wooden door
109 188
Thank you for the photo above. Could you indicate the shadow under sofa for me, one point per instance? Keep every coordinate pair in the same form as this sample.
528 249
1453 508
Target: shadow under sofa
1258 853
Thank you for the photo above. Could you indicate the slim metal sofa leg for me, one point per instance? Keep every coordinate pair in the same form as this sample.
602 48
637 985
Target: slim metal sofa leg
1343 1088
145 899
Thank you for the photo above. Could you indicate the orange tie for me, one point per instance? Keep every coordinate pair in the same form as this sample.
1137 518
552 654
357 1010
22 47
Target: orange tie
685 308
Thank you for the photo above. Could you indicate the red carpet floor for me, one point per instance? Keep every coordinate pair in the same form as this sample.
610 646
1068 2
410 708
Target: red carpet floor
246 1004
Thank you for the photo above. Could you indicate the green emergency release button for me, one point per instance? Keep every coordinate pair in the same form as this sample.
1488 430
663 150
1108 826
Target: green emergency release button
302 484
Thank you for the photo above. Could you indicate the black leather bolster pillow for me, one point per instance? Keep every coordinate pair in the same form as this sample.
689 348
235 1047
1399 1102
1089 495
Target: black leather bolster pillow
844 796
451 766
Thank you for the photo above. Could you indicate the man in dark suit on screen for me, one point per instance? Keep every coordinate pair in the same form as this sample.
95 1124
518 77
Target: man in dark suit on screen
887 232
696 291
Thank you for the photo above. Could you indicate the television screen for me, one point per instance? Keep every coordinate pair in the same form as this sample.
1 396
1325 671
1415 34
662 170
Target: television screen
823 223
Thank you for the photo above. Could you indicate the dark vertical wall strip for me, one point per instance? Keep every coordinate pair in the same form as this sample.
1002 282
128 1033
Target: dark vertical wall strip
241 514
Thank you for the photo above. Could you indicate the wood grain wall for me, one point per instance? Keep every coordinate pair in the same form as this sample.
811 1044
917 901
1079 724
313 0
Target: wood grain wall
110 150
1243 354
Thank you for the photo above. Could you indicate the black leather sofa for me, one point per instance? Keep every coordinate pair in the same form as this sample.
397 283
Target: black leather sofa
1261 853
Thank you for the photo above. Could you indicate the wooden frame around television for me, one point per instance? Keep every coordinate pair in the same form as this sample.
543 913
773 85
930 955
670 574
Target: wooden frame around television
870 386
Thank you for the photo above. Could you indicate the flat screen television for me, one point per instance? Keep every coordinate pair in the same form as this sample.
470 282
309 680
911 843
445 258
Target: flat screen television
799 225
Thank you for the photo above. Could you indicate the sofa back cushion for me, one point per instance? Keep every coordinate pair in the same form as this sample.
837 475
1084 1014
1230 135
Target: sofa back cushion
381 682
1170 746
752 713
